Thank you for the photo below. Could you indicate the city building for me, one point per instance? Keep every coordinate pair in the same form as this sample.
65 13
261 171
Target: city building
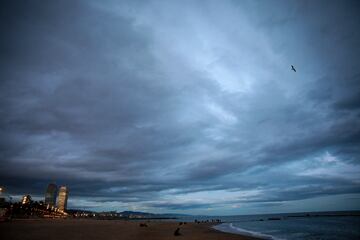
50 195
62 198
26 199
2 197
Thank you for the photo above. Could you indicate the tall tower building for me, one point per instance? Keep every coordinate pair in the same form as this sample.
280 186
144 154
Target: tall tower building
62 198
26 199
50 195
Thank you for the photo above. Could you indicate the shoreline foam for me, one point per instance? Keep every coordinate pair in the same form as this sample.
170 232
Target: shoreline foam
230 228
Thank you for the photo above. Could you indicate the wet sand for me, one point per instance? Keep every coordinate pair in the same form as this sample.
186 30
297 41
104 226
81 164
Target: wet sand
84 229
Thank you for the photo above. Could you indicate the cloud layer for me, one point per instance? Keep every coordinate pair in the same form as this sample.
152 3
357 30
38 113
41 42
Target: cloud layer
171 106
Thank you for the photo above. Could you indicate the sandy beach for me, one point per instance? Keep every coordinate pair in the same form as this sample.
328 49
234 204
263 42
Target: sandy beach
77 229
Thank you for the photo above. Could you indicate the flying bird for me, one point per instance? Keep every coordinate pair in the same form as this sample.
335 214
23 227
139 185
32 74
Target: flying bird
292 68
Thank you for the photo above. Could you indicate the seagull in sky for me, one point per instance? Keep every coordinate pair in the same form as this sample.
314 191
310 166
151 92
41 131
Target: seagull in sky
292 68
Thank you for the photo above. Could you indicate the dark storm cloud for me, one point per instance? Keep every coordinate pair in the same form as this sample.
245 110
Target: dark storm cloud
173 106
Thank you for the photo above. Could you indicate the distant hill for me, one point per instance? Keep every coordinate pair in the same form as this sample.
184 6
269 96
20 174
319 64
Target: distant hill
152 215
130 214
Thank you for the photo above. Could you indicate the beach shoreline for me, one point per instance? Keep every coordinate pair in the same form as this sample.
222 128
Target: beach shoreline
77 229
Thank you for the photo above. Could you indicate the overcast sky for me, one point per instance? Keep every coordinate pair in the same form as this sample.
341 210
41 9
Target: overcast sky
182 106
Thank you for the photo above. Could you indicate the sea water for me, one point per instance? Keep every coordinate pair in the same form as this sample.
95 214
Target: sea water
308 226
295 227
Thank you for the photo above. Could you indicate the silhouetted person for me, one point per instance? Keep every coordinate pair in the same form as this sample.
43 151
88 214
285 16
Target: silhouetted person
292 68
177 232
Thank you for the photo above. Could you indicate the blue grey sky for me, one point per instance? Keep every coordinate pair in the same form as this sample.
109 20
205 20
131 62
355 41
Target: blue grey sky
182 106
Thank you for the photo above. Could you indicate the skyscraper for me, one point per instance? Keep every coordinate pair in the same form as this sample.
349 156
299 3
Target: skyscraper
50 195
62 198
26 199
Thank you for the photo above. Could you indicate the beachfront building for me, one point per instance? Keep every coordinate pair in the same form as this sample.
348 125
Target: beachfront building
62 198
26 199
50 195
2 198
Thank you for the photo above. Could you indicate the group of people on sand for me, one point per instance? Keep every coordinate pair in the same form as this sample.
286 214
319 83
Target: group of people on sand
177 231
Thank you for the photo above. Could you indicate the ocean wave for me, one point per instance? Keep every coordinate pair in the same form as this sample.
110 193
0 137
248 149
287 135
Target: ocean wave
230 228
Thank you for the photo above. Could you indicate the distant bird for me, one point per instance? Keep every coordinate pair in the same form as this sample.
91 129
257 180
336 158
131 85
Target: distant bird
292 68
